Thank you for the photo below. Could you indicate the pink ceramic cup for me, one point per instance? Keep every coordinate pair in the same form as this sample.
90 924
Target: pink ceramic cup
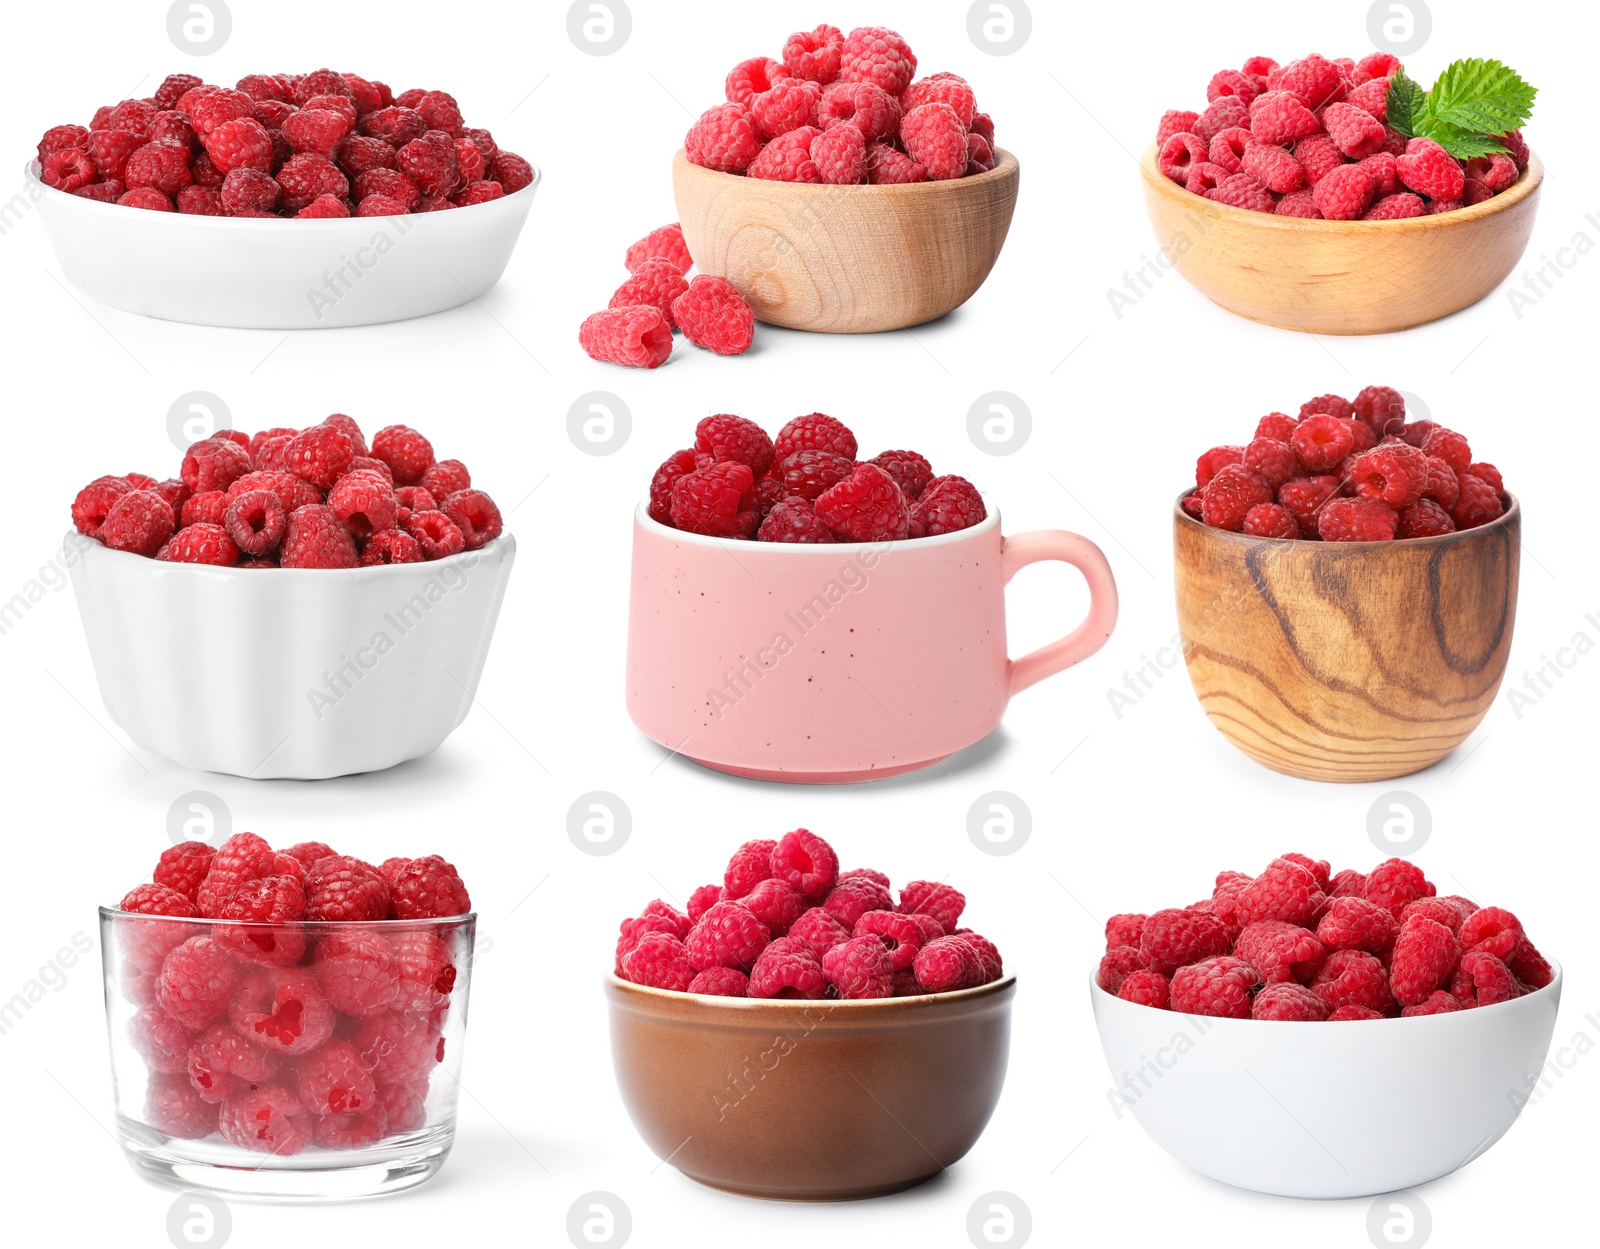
838 663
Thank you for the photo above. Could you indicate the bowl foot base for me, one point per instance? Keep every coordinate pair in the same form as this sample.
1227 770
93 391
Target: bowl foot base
845 777
841 1194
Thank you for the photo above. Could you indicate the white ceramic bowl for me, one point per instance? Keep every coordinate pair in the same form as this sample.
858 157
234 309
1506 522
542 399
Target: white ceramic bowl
1326 1110
275 274
289 672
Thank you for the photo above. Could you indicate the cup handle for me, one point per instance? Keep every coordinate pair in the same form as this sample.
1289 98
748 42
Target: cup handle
1016 553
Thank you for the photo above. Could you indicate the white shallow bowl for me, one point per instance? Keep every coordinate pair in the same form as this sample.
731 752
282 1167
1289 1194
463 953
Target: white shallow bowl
289 672
275 274
1327 1110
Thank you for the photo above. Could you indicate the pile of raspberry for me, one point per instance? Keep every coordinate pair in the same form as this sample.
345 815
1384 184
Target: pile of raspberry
286 498
660 297
786 923
843 109
1311 139
805 486
322 144
1301 944
1346 471
275 1036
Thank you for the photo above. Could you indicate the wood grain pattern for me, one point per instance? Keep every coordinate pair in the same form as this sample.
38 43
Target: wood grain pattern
1347 661
1341 277
847 259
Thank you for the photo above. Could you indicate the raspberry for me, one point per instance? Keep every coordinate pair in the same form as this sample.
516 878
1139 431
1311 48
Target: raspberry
733 439
1306 496
334 1080
1394 473
138 522
1181 155
395 125
1353 978
293 492
61 138
1116 966
1146 988
1357 520
1428 169
632 931
255 521
850 899
724 139
672 468
355 969
865 507
1354 131
266 1119
1529 966
306 178
720 982
638 336
980 155
67 170
1289 1002
1353 923
160 1040
1272 167
183 867
248 190
787 969
728 935
818 931
805 862
317 130
718 500
241 859
866 107
1477 504
840 156
221 1059
788 158
1425 953
359 154
1271 520
1230 495
1224 113
1174 121
339 887
1423 519
1227 147
1279 118
407 453
814 55
1321 441
775 905
656 283
1482 980
750 865
431 162
1394 883
315 537
1125 929
702 900
900 933
1273 461
475 515
946 964
173 1108
273 900
750 78
1353 1013
877 55
1495 172
308 852
1174 938
364 503
1273 948
789 104
911 471
214 464
860 968
425 888
988 953
399 1049
1345 193
1492 931
1242 191
1285 891
320 455
196 982
144 197
665 242
712 314
935 138
1218 987
510 171
1440 910
327 206
948 504
808 474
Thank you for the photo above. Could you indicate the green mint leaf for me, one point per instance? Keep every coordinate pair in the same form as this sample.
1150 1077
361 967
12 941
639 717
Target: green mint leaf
1406 103
1461 143
1482 96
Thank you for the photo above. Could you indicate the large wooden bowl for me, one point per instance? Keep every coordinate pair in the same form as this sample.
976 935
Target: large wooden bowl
847 259
1347 661
1341 277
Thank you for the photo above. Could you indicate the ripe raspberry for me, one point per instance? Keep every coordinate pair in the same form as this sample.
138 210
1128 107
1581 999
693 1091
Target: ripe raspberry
1116 966
1494 172
1174 121
138 522
656 283
866 507
1394 473
750 865
340 887
672 468
733 439
850 899
805 862
144 197
1219 987
808 474
702 900
400 1049
1227 147
278 901
814 432
1482 980
1353 978
1354 923
1529 966
68 169
1477 504
1289 1002
1394 883
173 1108
946 88
266 1118
248 190
859 968
196 982
160 1040
1354 131
712 314
221 1059
788 158
395 125
1492 931
1127 929
293 492
814 55
1174 938
947 964
788 104
870 109
359 154
1181 155
1272 167
1428 169
935 138
307 177
283 1010
391 546
1425 954
1146 988
1242 191
638 336
787 969
364 503
475 515
1345 193
1306 496
441 478
818 932
877 55
980 155
750 78
335 1081
183 867
407 453
911 471
308 852
214 464
431 161
928 897
315 537
665 242
425 888
840 156
1271 520
775 905
1285 891
355 969
1273 948
728 935
1357 520
327 206
1230 495
1321 441
947 505
241 859
724 139
1223 113
1271 460
1280 118
255 521
720 982
719 500
632 931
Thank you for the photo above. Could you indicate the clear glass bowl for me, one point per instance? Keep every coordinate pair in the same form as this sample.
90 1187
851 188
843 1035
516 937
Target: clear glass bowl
296 1062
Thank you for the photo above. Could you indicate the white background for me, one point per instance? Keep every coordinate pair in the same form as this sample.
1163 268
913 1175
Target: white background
1135 812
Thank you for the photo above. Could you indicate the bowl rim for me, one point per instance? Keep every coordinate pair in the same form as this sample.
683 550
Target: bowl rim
30 171
1095 990
1523 188
1006 165
812 550
714 1003
116 912
505 544
1513 511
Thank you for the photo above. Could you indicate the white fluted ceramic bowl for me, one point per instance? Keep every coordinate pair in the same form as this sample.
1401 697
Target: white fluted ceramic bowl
276 274
1327 1109
289 672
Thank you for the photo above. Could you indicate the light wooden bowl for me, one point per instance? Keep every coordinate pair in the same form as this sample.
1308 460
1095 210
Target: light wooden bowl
1347 661
1341 277
847 259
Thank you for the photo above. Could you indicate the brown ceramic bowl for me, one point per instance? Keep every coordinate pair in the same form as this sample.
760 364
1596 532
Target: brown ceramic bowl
810 1101
1347 661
